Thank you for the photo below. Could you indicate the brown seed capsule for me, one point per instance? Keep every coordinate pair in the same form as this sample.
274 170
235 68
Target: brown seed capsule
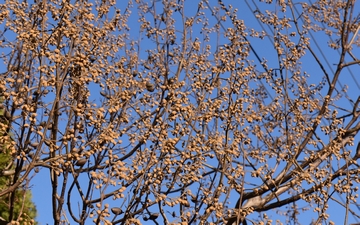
150 87
147 66
81 162
116 210
48 143
31 155
7 114
153 216
194 199
186 204
103 94
34 144
171 81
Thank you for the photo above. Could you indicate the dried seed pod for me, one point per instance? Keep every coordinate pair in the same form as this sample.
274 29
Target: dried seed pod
47 142
34 144
116 210
31 155
147 66
7 114
153 216
172 41
103 94
186 203
171 80
135 73
150 87
194 199
81 162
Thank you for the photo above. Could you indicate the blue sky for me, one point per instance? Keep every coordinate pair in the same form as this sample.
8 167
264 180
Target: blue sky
40 184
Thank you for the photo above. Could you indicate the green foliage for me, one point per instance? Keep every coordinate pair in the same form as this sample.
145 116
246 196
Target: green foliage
23 205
